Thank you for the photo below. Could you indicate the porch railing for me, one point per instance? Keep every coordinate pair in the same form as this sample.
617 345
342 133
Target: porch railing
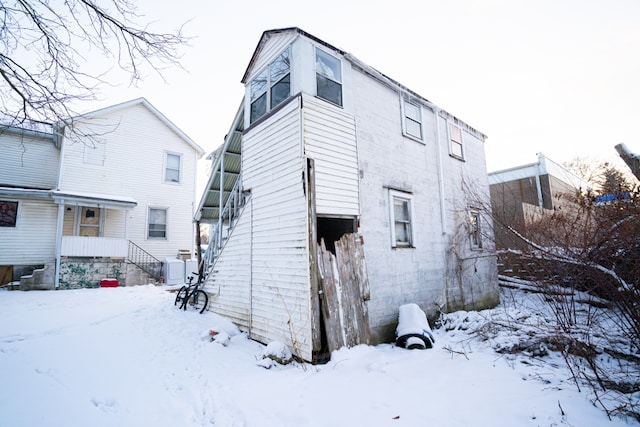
145 261
82 246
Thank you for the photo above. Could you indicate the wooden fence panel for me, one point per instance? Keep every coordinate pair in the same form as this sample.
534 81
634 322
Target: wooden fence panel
345 292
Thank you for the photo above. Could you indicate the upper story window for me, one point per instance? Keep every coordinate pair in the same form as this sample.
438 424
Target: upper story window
173 163
412 119
455 144
401 219
271 86
328 77
8 213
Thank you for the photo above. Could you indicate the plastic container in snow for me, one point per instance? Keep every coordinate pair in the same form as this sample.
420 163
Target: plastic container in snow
413 331
109 283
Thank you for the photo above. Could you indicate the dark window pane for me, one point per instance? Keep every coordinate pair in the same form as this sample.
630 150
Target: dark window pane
8 214
258 108
280 91
329 90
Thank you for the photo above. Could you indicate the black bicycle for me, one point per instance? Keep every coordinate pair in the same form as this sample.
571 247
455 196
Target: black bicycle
192 296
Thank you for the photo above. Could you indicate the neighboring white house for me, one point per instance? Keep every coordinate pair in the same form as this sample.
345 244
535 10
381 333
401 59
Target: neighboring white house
323 146
93 201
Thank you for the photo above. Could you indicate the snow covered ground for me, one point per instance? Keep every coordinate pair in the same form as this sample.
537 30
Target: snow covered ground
127 357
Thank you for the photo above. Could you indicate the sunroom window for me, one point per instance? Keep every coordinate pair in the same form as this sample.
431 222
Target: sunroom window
271 86
328 77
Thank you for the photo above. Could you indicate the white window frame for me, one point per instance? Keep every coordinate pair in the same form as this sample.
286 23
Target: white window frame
325 75
475 230
78 224
94 153
269 85
166 223
403 197
406 119
451 129
18 206
166 167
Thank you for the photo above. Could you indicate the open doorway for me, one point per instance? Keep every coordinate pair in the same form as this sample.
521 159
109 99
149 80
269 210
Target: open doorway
332 229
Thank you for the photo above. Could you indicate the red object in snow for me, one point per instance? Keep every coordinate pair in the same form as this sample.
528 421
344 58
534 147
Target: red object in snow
109 283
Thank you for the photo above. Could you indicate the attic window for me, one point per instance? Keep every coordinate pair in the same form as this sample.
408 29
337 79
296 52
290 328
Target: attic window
271 86
328 77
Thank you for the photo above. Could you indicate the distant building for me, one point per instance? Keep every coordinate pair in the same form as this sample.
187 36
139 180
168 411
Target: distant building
521 193
113 199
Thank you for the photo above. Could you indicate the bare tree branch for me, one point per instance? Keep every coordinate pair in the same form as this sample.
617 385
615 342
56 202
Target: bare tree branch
46 52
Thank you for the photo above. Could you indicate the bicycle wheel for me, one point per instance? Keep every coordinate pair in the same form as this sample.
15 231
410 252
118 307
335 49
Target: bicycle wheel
181 296
198 300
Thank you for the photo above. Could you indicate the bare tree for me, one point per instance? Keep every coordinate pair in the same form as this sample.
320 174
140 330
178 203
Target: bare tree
46 50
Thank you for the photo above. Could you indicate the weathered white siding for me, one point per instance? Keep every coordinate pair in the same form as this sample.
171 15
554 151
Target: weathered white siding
428 272
32 240
28 162
330 139
273 168
277 43
229 284
135 142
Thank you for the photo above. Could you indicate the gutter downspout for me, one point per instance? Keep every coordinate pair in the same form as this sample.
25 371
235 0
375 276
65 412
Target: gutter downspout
59 243
221 199
443 216
59 132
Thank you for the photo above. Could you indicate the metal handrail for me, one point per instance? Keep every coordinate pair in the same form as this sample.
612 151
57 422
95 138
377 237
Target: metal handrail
230 212
145 261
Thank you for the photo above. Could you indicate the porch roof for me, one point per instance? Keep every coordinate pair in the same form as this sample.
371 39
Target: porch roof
97 200
225 171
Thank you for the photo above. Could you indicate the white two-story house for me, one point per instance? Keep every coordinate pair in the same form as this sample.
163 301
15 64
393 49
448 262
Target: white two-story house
323 146
109 194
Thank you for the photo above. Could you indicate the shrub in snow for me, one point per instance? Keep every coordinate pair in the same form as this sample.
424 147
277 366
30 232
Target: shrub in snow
413 329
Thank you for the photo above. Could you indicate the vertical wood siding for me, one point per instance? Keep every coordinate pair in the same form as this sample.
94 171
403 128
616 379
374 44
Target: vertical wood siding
273 170
330 139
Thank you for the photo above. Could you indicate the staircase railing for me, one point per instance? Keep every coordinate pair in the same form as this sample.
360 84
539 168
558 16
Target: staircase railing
221 231
145 261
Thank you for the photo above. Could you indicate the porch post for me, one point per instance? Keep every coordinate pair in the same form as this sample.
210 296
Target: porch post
59 242
221 200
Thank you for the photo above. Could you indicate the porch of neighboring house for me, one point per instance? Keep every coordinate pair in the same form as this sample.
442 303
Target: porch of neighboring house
92 243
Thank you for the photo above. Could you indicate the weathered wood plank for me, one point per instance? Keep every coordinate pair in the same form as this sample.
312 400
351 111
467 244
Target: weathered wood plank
344 286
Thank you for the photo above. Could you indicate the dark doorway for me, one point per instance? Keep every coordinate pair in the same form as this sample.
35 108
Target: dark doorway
332 229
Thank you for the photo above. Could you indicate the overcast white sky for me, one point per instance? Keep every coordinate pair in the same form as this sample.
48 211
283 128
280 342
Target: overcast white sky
560 77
